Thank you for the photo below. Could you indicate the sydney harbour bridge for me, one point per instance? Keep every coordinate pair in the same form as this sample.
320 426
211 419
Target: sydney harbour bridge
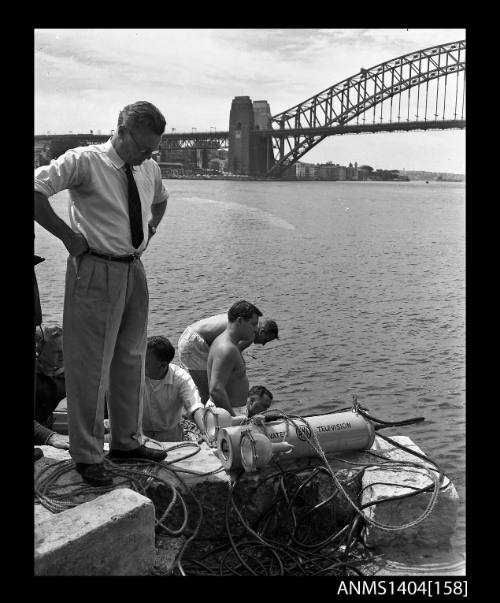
421 90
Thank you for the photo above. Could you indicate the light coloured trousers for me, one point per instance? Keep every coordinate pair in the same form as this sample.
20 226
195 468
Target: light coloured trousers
104 346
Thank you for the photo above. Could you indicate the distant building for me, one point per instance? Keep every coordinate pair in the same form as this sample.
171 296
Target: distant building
327 172
352 172
363 174
300 171
313 171
217 164
306 171
310 171
341 171
171 168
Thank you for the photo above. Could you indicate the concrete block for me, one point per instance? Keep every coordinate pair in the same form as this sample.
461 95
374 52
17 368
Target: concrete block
209 488
205 461
347 469
41 514
417 561
384 482
112 535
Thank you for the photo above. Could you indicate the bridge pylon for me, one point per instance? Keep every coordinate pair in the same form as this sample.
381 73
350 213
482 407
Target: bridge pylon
250 151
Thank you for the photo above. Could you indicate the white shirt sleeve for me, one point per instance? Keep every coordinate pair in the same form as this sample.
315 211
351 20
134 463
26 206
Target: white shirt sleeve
188 392
161 193
67 171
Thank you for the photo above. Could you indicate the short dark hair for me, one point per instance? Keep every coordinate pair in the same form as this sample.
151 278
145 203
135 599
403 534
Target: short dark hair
269 326
142 115
242 309
260 390
161 347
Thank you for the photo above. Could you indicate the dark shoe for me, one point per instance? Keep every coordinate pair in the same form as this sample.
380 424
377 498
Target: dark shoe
137 453
38 453
94 474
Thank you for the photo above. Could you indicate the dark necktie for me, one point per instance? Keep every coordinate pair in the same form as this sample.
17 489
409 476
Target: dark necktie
134 209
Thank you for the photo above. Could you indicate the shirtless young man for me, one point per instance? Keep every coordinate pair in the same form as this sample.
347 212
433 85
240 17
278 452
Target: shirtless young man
226 370
194 345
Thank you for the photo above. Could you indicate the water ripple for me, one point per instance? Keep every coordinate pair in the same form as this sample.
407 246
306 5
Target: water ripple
366 304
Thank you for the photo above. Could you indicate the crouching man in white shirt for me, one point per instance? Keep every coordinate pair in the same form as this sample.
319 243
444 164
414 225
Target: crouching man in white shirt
169 391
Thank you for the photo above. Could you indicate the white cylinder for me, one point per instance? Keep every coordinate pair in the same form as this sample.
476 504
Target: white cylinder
228 446
335 432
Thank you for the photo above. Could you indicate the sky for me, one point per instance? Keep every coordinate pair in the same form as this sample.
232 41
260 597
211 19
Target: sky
84 77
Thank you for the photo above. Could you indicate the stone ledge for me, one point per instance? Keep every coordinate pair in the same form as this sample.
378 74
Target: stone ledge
112 535
380 483
416 561
212 490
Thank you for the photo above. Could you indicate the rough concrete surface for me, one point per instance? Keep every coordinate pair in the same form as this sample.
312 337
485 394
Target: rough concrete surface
253 496
416 561
382 483
112 535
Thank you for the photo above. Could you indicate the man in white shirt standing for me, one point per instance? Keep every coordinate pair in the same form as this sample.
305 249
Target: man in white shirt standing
169 391
117 200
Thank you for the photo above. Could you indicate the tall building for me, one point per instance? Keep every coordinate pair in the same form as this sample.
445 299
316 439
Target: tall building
341 172
327 171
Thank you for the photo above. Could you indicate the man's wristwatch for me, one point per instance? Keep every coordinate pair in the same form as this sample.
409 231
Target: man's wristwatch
152 229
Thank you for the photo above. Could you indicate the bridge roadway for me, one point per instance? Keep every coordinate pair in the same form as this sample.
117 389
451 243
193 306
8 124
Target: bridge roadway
326 131
364 128
403 126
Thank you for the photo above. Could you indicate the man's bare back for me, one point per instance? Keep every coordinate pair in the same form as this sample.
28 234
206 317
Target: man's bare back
211 327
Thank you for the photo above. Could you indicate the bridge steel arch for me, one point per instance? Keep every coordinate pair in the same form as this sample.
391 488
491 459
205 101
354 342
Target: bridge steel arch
297 130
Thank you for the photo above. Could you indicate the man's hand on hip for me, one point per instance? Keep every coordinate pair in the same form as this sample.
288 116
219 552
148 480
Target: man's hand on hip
76 244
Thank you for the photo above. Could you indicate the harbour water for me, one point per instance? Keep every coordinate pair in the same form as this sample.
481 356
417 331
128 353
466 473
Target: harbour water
365 279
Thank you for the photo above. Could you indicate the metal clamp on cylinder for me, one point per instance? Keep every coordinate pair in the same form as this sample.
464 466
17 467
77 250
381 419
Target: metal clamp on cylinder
256 450
215 418
228 446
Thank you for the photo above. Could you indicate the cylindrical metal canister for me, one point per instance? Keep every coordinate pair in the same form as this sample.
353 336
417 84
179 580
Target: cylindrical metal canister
335 432
228 445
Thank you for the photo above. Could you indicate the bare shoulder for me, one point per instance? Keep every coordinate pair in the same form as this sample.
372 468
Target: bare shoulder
223 346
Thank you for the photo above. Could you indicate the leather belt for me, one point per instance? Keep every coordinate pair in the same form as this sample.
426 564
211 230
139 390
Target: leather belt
114 258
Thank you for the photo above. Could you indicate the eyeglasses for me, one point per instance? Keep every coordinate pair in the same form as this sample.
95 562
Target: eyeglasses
143 151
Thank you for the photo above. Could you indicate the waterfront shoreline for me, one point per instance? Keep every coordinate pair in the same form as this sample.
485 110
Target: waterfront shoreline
245 178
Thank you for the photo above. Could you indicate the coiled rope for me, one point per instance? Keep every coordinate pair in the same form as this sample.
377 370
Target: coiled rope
436 477
255 552
339 550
